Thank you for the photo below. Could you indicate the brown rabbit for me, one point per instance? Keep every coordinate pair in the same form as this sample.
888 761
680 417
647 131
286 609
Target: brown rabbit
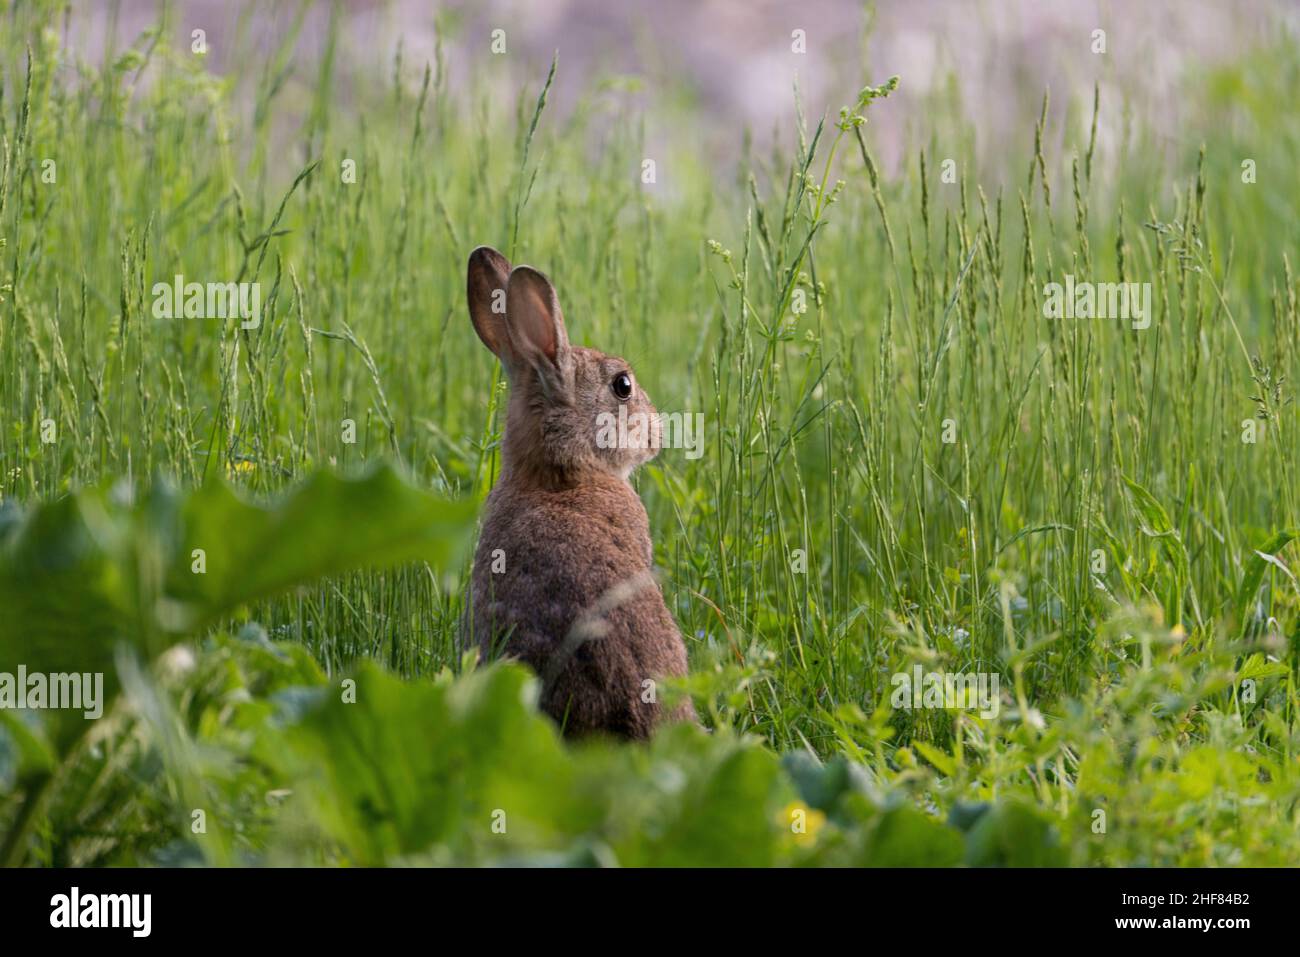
562 575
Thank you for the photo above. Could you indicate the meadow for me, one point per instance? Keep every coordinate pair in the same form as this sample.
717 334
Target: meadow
905 463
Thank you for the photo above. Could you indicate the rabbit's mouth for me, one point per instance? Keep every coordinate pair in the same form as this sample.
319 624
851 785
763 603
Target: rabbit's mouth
625 431
627 439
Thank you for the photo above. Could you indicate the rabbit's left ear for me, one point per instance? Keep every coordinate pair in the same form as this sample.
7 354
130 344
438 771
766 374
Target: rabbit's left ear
536 327
486 279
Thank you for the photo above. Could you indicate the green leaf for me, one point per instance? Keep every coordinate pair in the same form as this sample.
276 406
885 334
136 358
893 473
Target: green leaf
906 837
1256 565
822 785
1012 834
96 569
1154 522
966 814
328 526
25 755
1256 666
940 759
412 767
726 811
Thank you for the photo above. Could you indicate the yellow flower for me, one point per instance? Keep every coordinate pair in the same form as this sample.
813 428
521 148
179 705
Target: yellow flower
804 822
242 467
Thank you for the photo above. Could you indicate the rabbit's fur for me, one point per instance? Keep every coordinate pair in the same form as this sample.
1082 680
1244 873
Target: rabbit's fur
563 575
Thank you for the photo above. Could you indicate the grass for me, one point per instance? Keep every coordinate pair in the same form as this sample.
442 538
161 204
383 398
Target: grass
1093 531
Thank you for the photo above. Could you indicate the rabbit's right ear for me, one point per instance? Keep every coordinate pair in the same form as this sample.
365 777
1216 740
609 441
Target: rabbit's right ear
536 328
486 282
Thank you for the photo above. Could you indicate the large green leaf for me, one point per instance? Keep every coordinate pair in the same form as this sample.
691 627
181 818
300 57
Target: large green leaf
102 567
717 803
468 772
328 526
387 769
1013 834
906 837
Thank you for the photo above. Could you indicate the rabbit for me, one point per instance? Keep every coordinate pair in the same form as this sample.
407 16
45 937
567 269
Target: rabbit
562 577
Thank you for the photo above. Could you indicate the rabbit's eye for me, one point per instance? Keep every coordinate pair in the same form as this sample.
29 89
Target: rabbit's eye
622 386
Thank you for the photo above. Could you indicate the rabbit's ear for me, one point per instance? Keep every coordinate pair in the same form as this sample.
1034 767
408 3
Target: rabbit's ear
486 283
536 327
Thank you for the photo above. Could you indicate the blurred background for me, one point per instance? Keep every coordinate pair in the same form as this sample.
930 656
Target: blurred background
733 67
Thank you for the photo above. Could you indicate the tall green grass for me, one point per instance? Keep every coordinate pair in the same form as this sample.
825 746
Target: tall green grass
1093 534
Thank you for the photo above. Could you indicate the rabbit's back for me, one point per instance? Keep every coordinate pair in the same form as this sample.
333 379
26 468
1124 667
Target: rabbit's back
563 582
